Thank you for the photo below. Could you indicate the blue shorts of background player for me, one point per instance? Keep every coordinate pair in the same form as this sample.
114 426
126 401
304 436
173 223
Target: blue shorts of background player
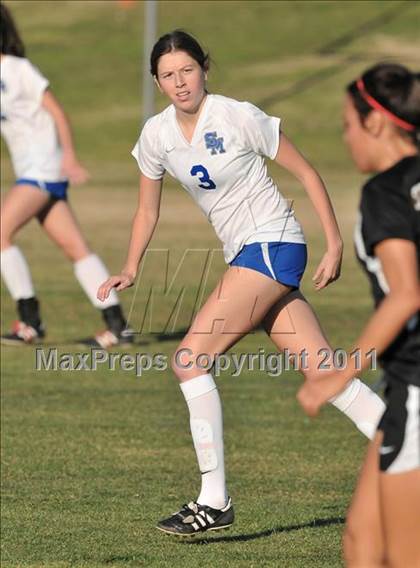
284 262
57 189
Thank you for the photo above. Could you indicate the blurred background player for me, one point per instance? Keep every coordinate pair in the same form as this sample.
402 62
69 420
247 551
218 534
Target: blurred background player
382 131
215 146
39 139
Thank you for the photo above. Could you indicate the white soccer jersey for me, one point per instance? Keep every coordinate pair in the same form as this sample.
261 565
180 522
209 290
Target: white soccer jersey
28 128
224 170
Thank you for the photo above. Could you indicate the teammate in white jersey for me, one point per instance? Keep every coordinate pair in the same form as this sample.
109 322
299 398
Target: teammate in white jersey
39 139
216 148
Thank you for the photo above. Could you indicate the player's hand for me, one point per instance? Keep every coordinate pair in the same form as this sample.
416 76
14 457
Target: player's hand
119 282
329 268
309 399
314 393
72 169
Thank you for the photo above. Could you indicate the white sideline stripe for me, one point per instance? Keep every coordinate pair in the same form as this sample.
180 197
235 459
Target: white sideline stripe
266 257
195 526
209 519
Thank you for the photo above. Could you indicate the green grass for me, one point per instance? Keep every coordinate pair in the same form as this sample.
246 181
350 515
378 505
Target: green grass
92 459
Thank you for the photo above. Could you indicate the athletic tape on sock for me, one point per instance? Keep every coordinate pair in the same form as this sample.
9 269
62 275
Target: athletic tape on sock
202 433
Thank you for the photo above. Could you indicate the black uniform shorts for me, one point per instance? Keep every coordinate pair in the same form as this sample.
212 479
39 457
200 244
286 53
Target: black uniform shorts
400 424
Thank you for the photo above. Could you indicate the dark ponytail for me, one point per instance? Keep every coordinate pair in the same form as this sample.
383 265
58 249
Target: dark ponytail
396 89
10 41
178 40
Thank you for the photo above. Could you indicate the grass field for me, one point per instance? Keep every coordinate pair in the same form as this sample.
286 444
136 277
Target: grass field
90 460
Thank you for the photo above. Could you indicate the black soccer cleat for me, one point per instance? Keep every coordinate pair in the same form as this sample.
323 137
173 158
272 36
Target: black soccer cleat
108 338
117 334
23 334
194 519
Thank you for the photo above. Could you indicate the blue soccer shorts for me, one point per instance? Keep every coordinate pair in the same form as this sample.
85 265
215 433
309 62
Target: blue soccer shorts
283 262
57 189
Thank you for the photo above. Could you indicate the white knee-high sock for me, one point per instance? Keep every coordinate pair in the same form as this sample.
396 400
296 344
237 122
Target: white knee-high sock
363 406
91 272
207 431
16 274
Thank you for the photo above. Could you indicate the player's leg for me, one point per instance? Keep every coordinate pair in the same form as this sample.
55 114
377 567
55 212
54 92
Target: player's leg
400 498
60 223
234 308
383 522
293 326
399 478
363 539
20 205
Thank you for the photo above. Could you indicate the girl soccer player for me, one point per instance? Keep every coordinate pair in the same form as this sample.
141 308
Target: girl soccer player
215 146
382 130
39 138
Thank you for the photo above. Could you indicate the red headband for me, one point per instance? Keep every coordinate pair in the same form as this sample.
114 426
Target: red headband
376 105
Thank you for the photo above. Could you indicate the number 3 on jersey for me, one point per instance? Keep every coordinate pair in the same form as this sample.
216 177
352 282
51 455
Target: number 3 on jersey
203 177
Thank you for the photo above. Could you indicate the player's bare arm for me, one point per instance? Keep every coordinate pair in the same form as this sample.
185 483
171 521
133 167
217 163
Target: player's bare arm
144 223
397 257
289 157
70 165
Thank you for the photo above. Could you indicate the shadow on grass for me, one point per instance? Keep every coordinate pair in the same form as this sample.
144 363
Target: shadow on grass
139 340
316 523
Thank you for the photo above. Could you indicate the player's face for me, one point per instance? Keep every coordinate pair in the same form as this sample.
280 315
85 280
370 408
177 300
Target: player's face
357 137
182 79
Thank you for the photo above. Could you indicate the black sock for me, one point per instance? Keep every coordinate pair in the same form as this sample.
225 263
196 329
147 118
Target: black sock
114 319
28 310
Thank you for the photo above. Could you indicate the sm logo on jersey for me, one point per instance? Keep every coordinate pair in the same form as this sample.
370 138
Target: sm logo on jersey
213 143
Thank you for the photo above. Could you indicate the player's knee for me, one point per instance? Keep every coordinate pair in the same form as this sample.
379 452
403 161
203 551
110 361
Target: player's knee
188 363
181 362
6 239
75 251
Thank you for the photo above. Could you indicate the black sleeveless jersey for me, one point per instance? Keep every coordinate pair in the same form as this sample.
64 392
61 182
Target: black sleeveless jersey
390 208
